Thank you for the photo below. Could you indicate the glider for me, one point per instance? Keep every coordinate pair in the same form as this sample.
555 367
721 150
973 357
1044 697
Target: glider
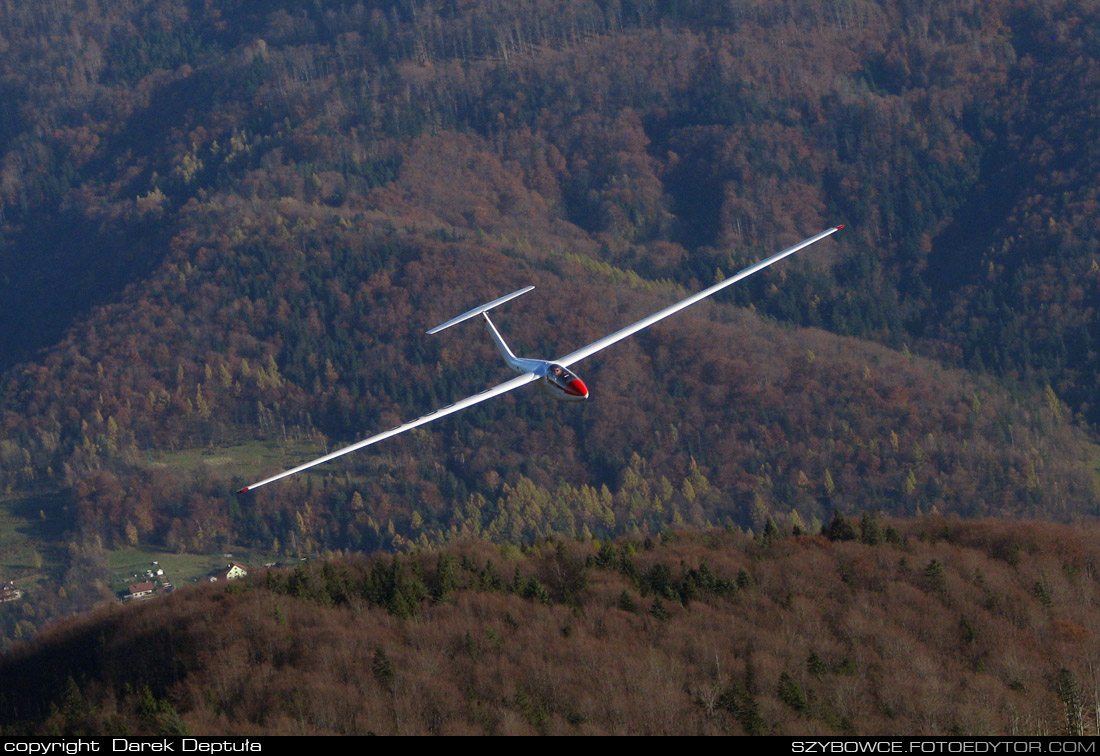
555 376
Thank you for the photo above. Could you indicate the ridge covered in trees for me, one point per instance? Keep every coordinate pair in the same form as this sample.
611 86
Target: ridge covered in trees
930 627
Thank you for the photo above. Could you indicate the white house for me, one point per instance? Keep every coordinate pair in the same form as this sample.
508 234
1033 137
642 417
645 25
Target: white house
8 592
140 590
233 571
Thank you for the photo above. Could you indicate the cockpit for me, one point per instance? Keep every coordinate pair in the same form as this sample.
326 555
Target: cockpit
559 375
569 385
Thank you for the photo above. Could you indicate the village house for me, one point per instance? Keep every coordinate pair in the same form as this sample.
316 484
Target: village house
231 571
140 591
8 592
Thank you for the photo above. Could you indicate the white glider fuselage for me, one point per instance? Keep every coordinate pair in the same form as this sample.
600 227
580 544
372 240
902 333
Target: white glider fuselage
556 380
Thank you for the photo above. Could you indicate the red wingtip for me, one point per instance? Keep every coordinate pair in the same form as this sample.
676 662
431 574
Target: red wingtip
840 227
243 490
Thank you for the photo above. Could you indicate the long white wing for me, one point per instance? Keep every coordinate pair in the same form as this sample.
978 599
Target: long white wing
606 341
503 388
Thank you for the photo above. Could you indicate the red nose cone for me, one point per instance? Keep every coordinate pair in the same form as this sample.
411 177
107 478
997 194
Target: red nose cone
577 388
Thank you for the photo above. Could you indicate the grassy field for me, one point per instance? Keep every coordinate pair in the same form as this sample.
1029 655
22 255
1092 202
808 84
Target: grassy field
247 460
30 533
128 566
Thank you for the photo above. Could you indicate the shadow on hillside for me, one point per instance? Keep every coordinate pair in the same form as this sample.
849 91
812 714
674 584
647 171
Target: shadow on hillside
31 506
60 267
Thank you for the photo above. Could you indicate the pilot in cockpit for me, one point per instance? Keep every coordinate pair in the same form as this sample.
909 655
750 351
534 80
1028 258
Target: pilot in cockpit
559 375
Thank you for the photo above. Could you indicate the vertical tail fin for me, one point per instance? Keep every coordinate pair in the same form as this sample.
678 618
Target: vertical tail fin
505 352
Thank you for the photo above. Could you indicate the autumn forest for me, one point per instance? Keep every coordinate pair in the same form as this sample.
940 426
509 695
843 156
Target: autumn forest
225 227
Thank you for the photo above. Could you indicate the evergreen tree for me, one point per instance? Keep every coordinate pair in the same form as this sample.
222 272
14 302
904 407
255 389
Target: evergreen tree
382 668
839 529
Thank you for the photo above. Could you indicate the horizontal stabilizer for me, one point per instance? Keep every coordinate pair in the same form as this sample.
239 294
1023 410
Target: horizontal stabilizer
481 309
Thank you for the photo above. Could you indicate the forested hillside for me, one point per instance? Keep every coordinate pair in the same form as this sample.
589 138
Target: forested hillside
926 627
225 227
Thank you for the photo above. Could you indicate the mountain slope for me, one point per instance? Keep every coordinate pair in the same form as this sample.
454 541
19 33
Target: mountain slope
931 627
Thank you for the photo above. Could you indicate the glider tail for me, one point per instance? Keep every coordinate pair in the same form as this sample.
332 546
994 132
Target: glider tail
513 362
